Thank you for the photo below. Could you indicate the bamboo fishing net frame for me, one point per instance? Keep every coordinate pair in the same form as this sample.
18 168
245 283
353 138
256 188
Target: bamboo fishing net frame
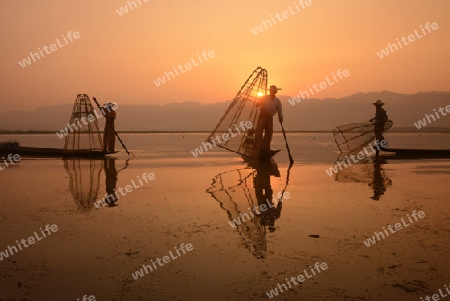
83 137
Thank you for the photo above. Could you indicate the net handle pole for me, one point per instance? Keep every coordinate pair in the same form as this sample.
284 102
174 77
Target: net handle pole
291 160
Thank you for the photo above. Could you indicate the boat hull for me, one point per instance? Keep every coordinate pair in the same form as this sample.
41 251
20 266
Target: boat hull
418 153
262 157
51 152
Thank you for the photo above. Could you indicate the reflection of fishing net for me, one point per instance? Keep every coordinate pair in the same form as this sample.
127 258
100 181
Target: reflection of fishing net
371 174
84 181
353 137
243 109
83 131
234 191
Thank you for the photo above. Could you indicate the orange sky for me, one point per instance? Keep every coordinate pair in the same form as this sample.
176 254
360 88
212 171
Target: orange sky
117 58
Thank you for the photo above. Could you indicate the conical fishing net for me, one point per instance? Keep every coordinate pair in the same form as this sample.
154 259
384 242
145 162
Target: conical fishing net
83 132
236 129
353 137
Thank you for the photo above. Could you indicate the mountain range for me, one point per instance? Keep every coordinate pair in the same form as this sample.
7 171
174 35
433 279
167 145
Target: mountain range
308 115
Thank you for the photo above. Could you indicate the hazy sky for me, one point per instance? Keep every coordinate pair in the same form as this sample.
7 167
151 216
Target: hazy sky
118 58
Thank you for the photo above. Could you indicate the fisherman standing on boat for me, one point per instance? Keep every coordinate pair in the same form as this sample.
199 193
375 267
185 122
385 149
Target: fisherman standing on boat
270 105
379 121
109 137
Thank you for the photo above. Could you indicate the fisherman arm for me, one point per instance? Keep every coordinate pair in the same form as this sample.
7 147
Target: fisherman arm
380 116
384 117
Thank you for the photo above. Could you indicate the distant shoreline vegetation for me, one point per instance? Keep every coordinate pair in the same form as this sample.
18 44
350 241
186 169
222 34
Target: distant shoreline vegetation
398 130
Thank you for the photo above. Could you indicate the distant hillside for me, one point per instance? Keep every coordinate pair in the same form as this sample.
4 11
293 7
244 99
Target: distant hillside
309 114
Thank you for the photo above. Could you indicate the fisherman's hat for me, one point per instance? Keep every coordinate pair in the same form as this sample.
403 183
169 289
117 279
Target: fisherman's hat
273 87
378 103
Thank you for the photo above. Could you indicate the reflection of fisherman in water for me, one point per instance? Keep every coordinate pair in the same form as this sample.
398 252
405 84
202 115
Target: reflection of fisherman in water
370 173
380 181
246 194
111 181
264 194
111 175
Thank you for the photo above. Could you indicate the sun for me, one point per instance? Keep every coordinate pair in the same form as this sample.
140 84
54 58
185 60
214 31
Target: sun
259 94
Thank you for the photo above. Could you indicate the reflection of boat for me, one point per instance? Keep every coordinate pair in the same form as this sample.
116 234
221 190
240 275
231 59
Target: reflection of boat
24 151
239 192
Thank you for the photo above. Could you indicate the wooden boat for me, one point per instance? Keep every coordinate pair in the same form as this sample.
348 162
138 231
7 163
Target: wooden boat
262 157
24 151
418 153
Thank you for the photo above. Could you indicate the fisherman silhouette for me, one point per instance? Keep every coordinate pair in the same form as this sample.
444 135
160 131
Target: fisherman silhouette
109 136
269 106
379 121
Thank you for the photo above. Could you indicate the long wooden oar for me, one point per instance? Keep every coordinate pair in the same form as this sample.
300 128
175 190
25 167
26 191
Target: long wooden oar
291 160
117 135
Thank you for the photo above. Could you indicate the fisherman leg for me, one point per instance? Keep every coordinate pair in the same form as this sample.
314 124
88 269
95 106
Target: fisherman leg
268 132
259 132
111 141
105 141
